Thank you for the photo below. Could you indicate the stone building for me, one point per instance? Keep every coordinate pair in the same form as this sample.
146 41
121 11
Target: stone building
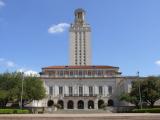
81 85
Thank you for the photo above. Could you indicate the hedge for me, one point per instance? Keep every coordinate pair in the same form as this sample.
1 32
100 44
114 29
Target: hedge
151 110
13 111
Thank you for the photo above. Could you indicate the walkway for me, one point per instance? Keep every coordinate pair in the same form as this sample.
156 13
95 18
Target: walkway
98 116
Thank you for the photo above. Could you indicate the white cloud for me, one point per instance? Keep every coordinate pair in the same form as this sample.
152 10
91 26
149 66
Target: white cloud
59 28
158 62
28 72
10 64
2 4
6 63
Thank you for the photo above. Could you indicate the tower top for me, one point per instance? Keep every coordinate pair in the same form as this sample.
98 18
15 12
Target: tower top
79 16
79 10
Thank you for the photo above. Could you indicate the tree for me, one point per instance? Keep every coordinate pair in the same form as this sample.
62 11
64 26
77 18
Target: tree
149 88
33 89
129 98
11 87
3 98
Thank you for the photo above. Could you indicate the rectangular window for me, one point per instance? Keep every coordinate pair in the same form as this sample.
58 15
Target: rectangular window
60 90
110 90
50 90
90 91
70 91
100 90
80 91
61 73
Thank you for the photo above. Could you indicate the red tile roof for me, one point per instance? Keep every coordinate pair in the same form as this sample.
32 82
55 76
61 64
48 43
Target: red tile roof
79 67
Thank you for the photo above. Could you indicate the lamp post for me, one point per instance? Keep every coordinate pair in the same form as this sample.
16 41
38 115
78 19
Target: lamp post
21 106
139 88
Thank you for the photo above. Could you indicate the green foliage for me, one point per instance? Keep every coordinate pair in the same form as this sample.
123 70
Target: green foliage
11 87
152 110
22 111
6 111
58 106
103 106
130 98
33 89
150 91
13 111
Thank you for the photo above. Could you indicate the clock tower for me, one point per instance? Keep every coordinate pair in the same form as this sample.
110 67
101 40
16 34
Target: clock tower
80 43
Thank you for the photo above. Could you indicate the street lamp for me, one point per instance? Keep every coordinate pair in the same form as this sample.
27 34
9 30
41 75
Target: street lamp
140 97
21 106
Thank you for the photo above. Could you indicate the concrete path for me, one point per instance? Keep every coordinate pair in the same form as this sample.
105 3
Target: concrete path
99 116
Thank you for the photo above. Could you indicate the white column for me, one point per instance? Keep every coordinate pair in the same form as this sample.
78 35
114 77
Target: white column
56 90
96 89
66 89
105 90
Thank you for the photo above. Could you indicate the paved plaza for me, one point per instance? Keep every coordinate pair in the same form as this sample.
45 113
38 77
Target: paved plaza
99 116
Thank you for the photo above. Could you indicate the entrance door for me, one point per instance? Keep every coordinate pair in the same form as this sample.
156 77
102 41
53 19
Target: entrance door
70 104
100 104
50 103
90 104
80 104
110 102
60 102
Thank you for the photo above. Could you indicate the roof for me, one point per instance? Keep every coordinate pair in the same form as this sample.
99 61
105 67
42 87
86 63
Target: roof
79 67
79 10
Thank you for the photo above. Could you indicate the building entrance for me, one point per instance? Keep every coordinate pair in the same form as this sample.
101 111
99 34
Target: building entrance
80 104
70 104
90 104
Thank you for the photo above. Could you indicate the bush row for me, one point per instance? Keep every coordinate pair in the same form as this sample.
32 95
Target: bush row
151 110
13 111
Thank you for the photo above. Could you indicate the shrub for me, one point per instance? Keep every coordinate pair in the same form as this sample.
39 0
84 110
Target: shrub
151 110
13 111
6 111
22 111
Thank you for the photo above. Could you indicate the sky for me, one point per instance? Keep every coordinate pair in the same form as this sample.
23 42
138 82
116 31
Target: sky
125 33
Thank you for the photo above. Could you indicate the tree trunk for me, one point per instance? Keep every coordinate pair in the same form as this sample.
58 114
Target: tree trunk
152 104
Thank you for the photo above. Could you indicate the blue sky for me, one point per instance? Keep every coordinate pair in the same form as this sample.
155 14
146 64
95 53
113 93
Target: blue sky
125 33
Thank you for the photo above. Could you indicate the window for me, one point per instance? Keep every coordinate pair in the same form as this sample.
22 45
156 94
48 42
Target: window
90 91
89 73
99 73
50 90
61 73
80 91
71 73
100 90
60 90
80 73
110 90
70 91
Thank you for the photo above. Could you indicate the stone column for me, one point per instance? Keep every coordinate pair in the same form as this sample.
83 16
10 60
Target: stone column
96 104
75 104
85 104
65 104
